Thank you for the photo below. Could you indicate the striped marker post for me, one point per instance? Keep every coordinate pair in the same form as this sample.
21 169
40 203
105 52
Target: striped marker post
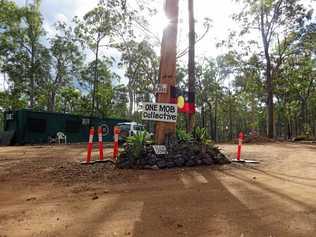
116 140
90 145
240 140
100 136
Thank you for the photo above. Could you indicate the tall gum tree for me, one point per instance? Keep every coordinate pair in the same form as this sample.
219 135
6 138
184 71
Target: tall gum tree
273 19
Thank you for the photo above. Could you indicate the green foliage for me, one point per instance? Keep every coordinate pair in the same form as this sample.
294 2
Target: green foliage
142 69
231 90
200 135
183 136
136 144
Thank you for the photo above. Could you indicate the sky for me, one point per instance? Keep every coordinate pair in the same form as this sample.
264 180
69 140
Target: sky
218 11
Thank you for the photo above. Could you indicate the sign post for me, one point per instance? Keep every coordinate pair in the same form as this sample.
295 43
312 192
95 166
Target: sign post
161 88
167 72
166 113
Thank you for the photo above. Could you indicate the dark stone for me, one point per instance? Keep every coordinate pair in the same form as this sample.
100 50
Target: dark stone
179 162
178 156
186 157
151 167
124 165
139 162
162 164
207 161
198 162
221 159
152 161
189 163
143 162
155 167
170 164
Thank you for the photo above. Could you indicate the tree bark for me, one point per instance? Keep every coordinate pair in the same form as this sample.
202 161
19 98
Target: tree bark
211 126
215 117
51 105
95 80
230 117
269 82
191 62
131 102
32 82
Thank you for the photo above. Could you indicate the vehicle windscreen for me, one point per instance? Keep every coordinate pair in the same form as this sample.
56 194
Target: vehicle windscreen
139 127
125 127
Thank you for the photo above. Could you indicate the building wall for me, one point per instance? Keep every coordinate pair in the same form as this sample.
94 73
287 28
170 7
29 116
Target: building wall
35 127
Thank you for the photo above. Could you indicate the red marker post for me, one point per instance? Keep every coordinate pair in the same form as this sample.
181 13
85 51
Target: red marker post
240 140
116 140
90 145
100 136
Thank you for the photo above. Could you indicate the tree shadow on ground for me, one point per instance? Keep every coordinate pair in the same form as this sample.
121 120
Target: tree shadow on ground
204 210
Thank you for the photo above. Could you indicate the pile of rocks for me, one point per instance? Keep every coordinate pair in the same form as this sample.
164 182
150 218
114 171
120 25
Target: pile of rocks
179 155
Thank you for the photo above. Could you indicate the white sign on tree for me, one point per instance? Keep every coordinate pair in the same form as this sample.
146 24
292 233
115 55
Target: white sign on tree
162 88
160 112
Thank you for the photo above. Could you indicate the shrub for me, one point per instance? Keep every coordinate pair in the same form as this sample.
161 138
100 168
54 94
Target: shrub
200 135
183 136
136 144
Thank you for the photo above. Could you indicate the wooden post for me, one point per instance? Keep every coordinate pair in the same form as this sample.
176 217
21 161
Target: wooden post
168 66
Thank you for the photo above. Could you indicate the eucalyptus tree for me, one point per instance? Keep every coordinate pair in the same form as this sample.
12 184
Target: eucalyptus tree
209 92
274 20
142 69
66 62
96 31
104 91
21 31
119 101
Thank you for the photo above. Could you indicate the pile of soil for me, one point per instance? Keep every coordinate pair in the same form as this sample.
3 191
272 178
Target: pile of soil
62 172
179 155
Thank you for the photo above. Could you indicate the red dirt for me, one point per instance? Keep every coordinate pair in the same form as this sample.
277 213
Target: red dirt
44 191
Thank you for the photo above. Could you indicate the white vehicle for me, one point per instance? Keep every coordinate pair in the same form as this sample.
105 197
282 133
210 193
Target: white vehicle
130 129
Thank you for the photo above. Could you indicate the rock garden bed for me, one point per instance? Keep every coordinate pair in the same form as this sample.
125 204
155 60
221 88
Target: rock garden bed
180 153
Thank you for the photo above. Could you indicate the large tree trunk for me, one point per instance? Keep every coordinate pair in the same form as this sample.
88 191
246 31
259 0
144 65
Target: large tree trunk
191 62
95 80
215 118
52 99
211 122
269 83
131 102
230 122
32 82
203 115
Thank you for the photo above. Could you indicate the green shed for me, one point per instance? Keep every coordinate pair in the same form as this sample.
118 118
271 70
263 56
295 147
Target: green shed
31 127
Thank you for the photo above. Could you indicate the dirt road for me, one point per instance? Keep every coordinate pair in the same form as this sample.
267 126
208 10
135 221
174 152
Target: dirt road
44 191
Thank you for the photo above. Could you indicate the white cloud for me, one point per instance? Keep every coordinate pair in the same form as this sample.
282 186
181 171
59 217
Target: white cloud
50 30
61 18
81 7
